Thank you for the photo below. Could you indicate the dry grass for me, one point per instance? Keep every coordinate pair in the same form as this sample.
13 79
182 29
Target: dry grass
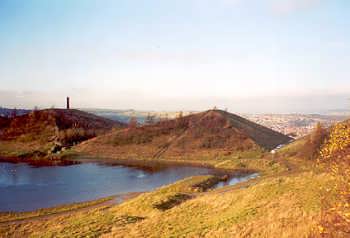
276 207
16 216
17 148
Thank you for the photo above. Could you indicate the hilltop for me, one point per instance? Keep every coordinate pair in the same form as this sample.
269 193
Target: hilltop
40 130
209 133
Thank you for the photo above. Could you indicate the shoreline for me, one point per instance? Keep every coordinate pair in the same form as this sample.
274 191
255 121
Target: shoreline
50 212
152 165
159 164
37 162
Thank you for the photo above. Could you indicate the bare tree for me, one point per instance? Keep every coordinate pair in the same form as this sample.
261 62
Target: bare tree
133 122
180 120
314 142
35 112
14 112
150 119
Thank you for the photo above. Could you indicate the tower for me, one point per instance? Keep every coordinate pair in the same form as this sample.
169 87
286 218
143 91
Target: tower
68 103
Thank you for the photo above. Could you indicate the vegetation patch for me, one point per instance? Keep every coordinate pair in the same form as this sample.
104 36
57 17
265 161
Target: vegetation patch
207 184
172 201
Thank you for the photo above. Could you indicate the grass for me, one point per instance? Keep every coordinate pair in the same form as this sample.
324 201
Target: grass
272 207
17 149
16 216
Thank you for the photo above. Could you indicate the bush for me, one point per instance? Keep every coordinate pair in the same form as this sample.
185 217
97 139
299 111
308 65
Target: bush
338 141
75 135
315 140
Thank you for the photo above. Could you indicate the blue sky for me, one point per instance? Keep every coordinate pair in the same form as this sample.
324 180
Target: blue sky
245 55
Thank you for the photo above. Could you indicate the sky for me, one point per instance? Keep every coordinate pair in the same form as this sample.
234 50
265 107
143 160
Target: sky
249 56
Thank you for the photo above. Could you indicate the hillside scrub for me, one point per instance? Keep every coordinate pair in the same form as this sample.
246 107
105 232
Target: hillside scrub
313 143
48 130
75 135
213 133
335 154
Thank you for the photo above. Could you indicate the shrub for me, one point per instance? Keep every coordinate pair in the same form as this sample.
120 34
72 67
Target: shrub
335 153
75 135
338 140
314 142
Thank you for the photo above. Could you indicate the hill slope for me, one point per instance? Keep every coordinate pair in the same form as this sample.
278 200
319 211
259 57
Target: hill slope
209 133
38 130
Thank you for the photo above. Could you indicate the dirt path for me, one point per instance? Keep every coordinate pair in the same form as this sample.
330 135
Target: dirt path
106 204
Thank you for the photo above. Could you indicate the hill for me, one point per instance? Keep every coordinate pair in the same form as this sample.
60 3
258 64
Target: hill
209 133
40 130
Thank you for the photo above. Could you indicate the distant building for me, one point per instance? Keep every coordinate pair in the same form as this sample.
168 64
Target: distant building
68 106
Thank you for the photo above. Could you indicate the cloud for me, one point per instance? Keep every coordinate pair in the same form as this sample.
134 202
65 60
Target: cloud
288 6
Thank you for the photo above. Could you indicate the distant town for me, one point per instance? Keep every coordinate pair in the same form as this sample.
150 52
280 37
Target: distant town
294 125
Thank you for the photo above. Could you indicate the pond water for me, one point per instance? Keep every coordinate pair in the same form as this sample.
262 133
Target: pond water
25 188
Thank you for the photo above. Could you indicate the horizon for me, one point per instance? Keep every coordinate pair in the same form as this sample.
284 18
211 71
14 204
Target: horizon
332 112
270 56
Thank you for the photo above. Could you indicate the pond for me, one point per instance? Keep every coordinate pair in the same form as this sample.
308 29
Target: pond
24 187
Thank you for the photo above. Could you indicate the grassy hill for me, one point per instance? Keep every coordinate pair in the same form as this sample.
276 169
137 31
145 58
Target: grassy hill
207 134
39 130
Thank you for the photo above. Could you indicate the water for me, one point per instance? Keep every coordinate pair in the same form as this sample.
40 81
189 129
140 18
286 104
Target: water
25 188
235 180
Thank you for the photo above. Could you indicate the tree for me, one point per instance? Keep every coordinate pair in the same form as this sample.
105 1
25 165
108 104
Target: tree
133 122
180 120
150 119
166 117
314 142
14 113
36 112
